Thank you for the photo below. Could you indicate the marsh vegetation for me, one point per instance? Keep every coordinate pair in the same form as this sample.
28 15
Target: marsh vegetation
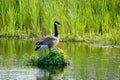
81 19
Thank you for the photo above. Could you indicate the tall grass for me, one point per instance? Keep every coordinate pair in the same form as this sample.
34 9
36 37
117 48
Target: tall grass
81 19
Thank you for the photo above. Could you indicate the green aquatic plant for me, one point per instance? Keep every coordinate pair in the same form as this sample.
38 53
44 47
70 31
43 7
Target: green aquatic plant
54 58
54 62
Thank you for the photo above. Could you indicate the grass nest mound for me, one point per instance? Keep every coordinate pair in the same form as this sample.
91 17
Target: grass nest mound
54 58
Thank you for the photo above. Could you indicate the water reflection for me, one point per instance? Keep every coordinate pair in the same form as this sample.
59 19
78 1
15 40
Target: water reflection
51 73
87 62
18 73
31 73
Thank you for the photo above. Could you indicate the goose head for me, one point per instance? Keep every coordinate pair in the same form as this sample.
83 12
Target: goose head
56 23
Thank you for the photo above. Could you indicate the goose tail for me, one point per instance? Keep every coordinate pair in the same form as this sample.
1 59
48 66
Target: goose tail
37 48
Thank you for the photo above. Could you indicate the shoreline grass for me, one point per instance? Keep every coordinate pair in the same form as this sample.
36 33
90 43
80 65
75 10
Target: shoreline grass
81 19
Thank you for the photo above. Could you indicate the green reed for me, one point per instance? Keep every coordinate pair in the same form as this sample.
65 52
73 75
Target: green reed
81 19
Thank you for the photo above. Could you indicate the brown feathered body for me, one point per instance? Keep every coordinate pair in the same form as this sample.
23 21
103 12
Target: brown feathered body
47 42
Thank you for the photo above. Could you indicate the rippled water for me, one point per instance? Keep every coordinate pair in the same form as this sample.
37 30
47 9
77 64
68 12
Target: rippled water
87 62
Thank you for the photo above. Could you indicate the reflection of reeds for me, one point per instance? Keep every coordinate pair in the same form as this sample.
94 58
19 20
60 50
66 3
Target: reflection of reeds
81 19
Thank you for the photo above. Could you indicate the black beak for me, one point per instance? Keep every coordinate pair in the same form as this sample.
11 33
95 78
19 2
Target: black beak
60 24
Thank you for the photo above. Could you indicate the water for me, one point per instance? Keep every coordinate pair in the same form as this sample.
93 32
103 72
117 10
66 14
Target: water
87 62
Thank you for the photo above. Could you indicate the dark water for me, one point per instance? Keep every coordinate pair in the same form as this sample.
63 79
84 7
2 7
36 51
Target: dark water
87 62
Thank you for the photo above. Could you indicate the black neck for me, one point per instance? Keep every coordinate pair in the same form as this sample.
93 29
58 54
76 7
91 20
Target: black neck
56 31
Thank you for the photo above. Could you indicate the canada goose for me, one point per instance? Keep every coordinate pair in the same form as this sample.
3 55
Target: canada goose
49 41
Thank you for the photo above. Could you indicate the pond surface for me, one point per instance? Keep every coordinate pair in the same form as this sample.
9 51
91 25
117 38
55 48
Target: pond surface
87 62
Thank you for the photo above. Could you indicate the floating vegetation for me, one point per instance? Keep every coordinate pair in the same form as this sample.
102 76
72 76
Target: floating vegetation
54 58
54 62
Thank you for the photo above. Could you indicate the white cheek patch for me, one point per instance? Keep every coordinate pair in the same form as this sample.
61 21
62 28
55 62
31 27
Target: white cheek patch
43 46
56 23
